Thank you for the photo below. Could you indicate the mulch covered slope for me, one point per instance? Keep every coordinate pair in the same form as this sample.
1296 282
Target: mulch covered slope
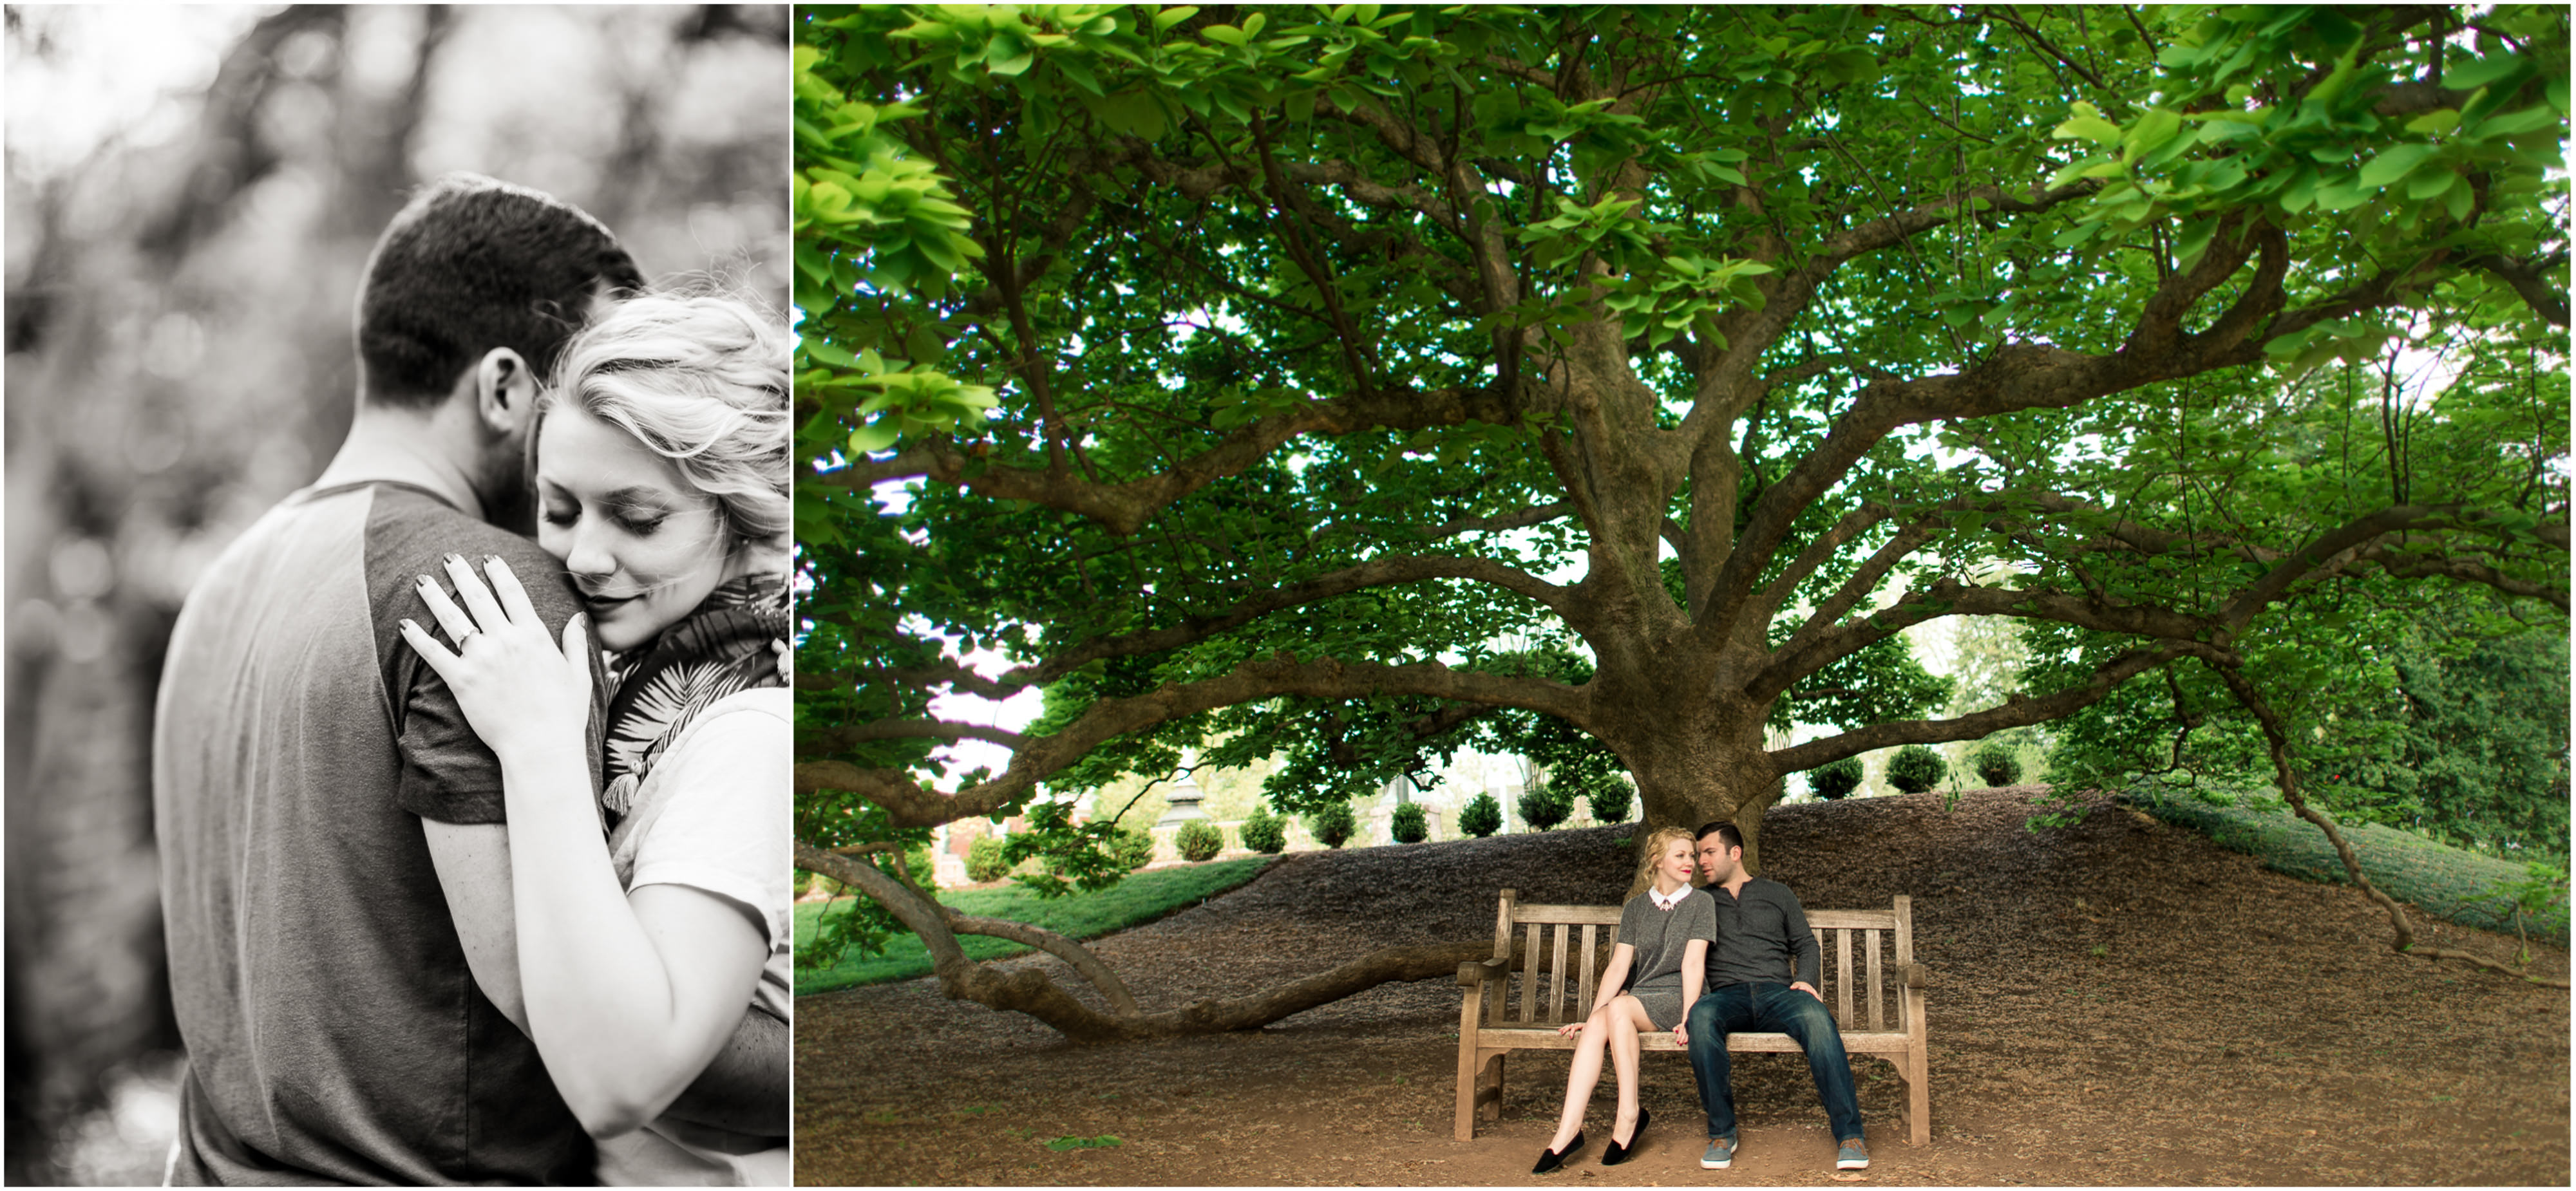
2120 1002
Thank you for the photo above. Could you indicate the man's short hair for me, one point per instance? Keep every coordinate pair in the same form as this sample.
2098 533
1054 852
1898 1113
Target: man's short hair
1728 834
471 264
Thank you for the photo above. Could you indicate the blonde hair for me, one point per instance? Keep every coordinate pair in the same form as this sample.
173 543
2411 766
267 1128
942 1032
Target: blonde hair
1654 851
701 380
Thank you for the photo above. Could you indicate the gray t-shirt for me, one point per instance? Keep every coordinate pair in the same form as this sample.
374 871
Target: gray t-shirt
1659 935
334 1032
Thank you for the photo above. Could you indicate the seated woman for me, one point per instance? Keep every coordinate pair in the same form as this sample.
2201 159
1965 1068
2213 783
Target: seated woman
1654 975
661 468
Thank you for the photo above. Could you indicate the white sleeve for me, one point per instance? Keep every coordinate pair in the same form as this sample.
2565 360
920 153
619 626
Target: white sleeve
725 825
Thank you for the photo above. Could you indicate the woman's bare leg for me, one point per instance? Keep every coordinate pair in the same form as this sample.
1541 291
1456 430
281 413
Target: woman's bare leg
1587 1073
1627 1019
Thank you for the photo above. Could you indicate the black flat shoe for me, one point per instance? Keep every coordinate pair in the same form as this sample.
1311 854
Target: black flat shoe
1550 1160
1617 1153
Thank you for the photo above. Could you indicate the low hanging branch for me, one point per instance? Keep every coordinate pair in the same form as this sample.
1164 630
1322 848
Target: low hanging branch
1029 991
2277 735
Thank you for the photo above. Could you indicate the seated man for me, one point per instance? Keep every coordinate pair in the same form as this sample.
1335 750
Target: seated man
1762 979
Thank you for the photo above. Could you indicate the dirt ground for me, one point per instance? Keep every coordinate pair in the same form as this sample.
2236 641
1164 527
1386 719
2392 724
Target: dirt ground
2119 1002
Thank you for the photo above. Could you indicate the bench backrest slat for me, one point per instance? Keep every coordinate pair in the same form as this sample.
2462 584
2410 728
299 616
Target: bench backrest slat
1905 998
1603 915
1558 994
1529 977
1547 956
1847 919
1877 1014
1843 975
1583 996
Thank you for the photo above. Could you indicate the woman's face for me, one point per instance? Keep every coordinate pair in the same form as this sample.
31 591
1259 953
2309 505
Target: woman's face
642 545
1675 865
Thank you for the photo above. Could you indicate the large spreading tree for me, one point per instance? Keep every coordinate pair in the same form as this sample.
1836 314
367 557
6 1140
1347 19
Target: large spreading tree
1348 385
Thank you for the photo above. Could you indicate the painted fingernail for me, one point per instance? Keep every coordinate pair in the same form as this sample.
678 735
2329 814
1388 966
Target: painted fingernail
456 560
494 560
409 625
422 580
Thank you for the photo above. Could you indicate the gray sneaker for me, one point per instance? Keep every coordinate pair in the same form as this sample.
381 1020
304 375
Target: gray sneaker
1720 1155
1854 1155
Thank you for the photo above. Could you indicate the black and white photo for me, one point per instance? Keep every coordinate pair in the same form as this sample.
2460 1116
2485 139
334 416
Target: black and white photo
398 419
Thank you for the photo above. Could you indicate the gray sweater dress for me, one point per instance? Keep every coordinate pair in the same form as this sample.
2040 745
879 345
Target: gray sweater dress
1659 935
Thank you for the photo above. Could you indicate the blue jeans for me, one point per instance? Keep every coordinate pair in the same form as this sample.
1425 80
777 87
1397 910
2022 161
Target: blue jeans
1769 1008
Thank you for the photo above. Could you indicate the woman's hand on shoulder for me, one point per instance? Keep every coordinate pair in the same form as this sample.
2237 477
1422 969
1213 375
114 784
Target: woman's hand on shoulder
515 686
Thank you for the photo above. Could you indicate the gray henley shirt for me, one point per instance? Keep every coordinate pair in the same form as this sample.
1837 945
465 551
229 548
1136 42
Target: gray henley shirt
1762 936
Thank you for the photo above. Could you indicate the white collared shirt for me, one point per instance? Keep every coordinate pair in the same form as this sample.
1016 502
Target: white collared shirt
1665 903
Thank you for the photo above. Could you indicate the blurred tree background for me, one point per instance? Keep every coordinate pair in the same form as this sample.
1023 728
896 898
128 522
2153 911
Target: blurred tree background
191 196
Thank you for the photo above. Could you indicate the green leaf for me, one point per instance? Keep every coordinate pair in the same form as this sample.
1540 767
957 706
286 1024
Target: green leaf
2482 72
2392 164
2087 124
2193 241
2434 123
2151 131
2512 123
873 437
1164 20
2428 184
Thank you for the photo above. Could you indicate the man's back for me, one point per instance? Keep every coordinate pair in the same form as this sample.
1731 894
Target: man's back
335 1033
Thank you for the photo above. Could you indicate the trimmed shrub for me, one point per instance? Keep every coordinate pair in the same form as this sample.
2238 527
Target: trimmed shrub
1334 825
1916 768
1481 817
1199 840
984 860
1264 832
1543 806
1408 824
1836 779
1610 802
1995 765
1134 849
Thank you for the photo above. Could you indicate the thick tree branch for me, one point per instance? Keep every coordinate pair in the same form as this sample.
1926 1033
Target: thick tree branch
2531 279
1949 597
2015 377
1379 572
1123 508
2015 712
1533 515
1827 544
909 804
844 737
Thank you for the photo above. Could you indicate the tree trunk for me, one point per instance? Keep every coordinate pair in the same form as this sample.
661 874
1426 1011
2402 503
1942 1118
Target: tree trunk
1696 761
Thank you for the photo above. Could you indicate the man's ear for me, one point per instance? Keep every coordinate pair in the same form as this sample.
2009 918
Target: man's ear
505 392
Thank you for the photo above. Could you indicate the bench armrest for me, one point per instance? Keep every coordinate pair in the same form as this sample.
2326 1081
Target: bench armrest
1477 972
1914 976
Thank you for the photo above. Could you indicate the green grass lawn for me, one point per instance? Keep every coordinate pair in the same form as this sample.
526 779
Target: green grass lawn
2444 881
1139 899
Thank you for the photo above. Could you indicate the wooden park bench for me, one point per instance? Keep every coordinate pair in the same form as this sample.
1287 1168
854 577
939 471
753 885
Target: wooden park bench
1506 1009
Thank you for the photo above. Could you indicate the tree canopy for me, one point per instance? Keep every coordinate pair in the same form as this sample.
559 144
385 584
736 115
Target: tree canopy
1351 384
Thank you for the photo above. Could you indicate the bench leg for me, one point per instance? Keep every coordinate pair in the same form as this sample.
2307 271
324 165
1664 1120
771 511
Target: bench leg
1916 1111
1466 1126
1480 1090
